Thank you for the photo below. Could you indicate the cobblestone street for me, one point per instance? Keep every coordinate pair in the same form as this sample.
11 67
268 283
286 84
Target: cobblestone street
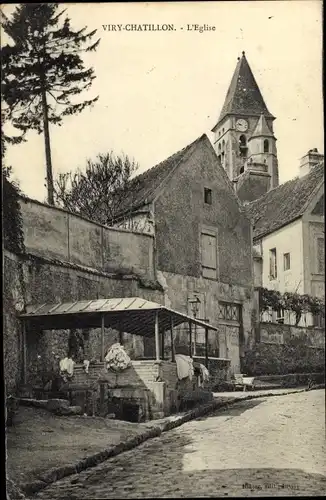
264 447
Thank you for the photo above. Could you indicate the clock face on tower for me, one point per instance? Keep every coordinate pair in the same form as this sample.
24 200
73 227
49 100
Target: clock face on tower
241 125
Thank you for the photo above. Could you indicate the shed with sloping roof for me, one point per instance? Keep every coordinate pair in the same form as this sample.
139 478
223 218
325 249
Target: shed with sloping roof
132 315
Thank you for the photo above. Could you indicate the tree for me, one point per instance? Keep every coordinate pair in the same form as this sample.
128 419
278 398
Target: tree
43 71
98 192
13 234
6 139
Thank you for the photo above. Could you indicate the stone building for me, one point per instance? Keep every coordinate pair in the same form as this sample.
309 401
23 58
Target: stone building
202 242
244 138
289 232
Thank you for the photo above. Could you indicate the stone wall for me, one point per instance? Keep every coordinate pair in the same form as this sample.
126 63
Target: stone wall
140 373
181 215
13 291
219 371
53 232
35 280
179 290
152 383
283 349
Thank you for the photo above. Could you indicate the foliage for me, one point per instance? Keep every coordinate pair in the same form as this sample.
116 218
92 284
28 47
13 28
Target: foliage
42 71
295 302
269 299
6 139
97 192
12 220
275 359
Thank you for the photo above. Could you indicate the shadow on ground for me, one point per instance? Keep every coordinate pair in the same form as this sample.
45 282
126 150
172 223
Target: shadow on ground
233 410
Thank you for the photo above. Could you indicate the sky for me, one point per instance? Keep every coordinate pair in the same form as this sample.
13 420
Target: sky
160 90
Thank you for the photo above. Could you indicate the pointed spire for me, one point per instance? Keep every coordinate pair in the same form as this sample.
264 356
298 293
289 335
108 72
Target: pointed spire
262 129
243 96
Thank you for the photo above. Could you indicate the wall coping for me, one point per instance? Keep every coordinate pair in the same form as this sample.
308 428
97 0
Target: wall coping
212 357
80 267
148 361
133 361
84 269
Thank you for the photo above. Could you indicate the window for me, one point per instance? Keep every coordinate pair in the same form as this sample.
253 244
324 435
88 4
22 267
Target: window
287 261
229 312
272 264
266 146
208 196
243 145
209 254
320 256
243 141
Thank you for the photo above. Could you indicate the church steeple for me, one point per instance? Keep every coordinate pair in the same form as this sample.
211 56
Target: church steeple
244 96
262 129
244 135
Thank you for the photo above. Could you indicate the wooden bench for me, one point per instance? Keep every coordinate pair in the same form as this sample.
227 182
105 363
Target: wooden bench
240 381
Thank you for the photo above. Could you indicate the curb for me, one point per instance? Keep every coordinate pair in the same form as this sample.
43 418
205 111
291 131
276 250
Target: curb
56 473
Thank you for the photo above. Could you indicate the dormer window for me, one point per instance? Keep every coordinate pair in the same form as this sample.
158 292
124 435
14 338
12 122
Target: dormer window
266 146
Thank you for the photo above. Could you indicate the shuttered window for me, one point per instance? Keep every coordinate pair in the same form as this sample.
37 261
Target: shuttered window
209 255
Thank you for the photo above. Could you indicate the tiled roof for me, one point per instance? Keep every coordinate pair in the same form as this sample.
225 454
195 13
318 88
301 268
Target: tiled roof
284 204
243 96
143 188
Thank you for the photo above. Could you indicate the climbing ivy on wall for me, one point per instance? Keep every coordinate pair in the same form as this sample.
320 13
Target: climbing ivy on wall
11 216
295 302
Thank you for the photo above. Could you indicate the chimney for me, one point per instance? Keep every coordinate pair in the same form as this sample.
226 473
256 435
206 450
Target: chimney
310 160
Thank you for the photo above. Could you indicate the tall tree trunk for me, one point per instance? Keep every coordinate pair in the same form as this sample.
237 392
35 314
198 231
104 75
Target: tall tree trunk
49 176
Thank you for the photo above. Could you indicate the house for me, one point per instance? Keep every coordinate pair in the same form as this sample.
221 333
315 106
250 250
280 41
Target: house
203 245
289 234
244 138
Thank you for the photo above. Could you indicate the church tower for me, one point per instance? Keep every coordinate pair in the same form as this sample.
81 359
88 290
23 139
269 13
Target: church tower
244 139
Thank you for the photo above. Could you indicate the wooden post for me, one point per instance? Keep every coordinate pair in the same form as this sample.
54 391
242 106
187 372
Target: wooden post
24 352
206 347
102 338
226 344
162 343
190 339
172 342
157 337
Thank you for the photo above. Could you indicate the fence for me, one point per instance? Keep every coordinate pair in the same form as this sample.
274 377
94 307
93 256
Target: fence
287 317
